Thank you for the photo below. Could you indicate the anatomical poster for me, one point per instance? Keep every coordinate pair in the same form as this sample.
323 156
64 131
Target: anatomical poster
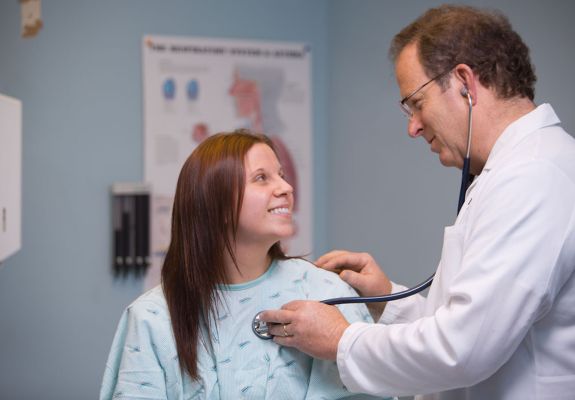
196 87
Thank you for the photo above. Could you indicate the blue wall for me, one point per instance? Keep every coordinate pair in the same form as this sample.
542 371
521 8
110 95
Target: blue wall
80 84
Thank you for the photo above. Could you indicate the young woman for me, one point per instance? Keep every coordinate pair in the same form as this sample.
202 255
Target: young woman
191 337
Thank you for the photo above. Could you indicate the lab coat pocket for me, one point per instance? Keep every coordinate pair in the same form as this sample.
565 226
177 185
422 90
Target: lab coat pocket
451 255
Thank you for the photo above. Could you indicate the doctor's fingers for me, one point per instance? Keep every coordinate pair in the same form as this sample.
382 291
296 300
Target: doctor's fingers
308 313
294 312
315 330
276 316
329 260
373 283
281 320
338 260
359 281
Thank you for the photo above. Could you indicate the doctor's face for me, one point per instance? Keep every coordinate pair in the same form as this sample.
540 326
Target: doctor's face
438 116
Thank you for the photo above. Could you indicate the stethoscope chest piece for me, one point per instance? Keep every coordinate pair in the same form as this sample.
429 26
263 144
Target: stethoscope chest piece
260 328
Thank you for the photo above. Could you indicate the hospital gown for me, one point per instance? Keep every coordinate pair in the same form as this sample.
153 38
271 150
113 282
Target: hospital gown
143 362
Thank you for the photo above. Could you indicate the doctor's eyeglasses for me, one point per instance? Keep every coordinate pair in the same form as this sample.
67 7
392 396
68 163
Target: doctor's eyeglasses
406 106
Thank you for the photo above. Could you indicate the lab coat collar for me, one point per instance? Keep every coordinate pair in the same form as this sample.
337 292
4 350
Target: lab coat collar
541 117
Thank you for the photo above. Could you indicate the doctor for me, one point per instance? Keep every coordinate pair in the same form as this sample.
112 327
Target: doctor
499 319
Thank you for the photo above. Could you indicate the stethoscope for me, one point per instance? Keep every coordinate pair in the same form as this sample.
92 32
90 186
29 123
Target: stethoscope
260 327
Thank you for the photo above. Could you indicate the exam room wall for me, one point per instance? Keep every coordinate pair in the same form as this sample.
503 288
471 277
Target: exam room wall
80 83
388 194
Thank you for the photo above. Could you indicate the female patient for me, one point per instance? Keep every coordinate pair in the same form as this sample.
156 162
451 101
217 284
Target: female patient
191 337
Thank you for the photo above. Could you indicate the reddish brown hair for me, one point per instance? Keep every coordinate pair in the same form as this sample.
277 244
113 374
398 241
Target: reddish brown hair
449 35
206 209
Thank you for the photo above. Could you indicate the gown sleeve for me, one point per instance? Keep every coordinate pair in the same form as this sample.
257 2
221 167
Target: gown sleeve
143 361
135 369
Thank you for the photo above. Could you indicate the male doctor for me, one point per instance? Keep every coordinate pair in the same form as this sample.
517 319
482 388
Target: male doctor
499 319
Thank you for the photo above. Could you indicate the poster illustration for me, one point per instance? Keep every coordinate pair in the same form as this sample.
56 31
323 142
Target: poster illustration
196 87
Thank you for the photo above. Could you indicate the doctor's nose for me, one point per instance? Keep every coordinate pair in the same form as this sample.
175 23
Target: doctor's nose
414 126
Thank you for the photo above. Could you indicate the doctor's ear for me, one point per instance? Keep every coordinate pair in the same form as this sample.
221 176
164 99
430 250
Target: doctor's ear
464 74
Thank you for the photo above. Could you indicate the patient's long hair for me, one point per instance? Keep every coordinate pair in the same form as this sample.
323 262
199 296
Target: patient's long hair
205 218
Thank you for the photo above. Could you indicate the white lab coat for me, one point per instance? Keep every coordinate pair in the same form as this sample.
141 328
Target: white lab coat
499 320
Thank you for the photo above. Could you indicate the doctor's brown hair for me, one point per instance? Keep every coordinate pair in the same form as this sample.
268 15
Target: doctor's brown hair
205 218
484 40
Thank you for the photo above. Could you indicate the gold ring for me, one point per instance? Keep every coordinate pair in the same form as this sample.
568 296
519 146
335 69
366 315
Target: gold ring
285 331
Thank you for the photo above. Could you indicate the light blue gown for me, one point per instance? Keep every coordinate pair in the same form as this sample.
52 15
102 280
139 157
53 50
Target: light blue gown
143 362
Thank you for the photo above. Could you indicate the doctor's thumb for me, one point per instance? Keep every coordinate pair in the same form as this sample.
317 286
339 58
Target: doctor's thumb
353 279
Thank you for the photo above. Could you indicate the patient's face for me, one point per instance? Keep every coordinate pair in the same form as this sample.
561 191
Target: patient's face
266 214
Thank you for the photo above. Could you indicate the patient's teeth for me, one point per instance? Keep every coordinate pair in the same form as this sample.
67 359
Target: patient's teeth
280 210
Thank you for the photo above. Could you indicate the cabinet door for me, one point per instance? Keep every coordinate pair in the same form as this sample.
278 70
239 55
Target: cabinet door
10 175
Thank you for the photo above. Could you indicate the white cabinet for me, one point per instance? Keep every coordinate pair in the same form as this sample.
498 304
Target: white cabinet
10 176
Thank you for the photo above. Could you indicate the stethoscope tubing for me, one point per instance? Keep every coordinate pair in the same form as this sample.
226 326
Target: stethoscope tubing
380 299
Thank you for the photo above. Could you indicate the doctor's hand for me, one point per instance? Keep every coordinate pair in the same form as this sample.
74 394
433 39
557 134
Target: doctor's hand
309 326
361 272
